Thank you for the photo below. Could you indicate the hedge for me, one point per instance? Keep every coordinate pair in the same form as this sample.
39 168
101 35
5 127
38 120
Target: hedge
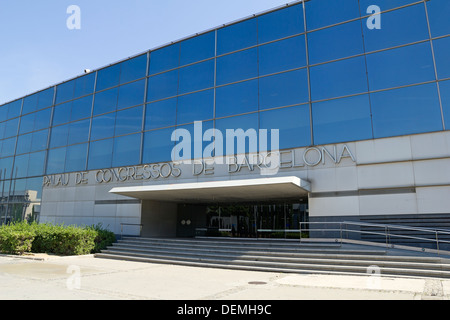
22 237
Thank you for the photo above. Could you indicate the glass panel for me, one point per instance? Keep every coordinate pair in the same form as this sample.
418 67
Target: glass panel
79 131
100 154
39 140
127 150
36 164
237 98
197 48
11 128
164 59
3 112
30 103
2 130
76 158
327 12
62 113
128 121
59 136
65 91
42 119
237 36
26 123
283 89
6 169
398 27
337 42
342 120
134 69
438 15
14 109
196 77
248 123
402 66
8 148
108 77
81 108
21 166
84 85
131 94
383 4
293 124
105 101
24 143
339 78
161 114
280 24
103 126
395 112
162 86
196 140
237 66
282 55
195 107
35 184
441 53
158 146
445 96
55 162
45 98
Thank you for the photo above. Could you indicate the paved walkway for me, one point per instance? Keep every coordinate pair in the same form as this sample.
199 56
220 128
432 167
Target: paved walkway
86 277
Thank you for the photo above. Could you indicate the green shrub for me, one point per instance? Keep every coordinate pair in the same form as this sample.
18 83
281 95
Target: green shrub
15 241
104 238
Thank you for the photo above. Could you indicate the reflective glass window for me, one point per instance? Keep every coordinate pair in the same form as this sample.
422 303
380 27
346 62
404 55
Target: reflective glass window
14 109
396 112
158 146
339 78
237 36
79 131
293 124
161 114
127 150
8 147
100 154
327 12
59 136
438 15
6 168
84 85
42 119
196 77
282 55
383 4
103 126
39 140
65 91
196 132
398 27
76 158
2 130
81 108
237 98
45 98
195 107
401 66
30 103
108 77
337 42
197 48
250 126
26 123
281 23
342 120
3 112
445 97
283 89
105 101
237 66
36 164
441 53
11 127
164 59
21 166
24 143
128 121
56 160
62 113
133 69
131 94
35 184
162 86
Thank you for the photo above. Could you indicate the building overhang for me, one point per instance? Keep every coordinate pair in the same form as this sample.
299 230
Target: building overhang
246 190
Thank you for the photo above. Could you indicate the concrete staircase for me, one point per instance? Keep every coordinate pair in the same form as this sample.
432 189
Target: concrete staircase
278 256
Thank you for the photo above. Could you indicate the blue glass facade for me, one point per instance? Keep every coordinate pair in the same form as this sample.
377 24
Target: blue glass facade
313 69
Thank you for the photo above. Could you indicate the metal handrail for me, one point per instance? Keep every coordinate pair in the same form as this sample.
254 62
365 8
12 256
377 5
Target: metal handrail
387 231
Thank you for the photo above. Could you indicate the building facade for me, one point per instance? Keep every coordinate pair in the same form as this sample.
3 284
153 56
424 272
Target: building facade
344 111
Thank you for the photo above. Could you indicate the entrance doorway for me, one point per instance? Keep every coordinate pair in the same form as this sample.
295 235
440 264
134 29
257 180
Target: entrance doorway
273 220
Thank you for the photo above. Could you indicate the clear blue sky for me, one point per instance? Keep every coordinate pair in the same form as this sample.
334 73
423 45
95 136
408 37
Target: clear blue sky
37 49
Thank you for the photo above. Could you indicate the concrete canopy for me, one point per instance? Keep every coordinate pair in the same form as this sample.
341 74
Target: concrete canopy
248 190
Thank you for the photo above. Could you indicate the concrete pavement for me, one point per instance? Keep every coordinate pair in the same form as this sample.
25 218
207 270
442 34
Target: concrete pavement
86 277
